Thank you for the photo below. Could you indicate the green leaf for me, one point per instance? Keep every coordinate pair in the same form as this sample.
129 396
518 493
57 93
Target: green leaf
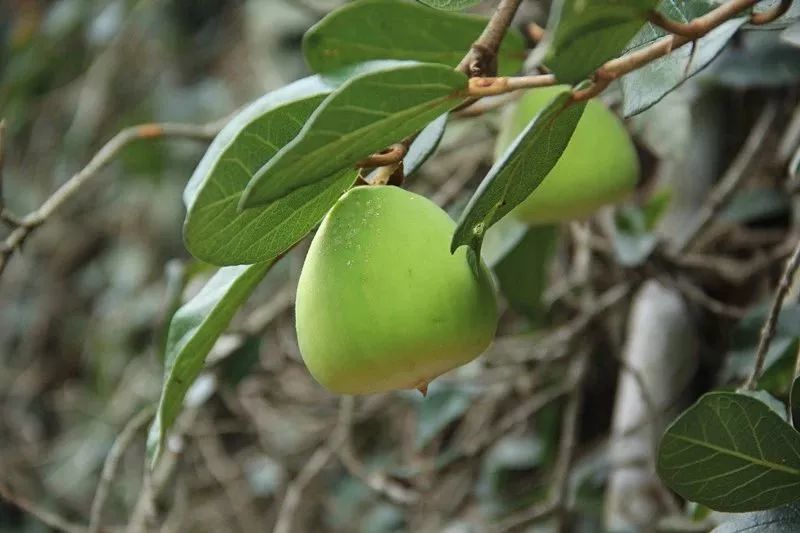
216 230
785 519
587 33
193 331
382 103
424 145
732 453
519 171
523 274
450 5
646 86
794 403
751 205
395 29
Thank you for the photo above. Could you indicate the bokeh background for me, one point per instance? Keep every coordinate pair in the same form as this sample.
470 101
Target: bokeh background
83 308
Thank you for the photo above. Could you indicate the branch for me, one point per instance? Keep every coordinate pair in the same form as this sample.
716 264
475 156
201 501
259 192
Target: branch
121 444
30 222
771 14
481 60
738 170
768 330
48 518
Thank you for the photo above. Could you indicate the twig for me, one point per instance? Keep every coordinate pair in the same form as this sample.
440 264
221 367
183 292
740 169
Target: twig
768 330
479 87
556 502
391 155
48 518
481 60
378 481
312 468
2 160
736 173
101 159
121 444
766 17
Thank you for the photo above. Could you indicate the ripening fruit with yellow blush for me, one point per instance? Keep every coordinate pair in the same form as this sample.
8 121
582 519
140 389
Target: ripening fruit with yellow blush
598 167
381 303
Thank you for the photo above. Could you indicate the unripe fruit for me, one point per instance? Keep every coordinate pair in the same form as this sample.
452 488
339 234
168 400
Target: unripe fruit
599 166
381 302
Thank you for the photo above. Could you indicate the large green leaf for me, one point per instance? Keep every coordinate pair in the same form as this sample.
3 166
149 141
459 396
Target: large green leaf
395 29
450 5
523 274
216 230
731 452
785 519
381 103
518 172
193 331
646 86
587 33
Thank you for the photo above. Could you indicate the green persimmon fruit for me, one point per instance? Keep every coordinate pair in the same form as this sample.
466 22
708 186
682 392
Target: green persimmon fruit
381 303
600 165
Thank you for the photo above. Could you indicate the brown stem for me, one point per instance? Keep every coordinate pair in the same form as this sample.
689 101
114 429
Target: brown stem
481 60
768 330
772 14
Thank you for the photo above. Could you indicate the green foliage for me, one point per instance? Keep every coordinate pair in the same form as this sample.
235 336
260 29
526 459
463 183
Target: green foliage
519 171
383 102
634 229
193 331
587 34
523 271
216 230
449 5
395 29
646 86
731 452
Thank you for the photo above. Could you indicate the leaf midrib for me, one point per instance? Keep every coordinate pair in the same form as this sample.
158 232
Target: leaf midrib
743 456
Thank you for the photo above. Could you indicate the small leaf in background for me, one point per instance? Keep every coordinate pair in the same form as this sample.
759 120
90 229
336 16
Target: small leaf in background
395 29
646 86
216 230
443 405
634 236
791 35
424 145
732 453
501 239
785 519
519 171
794 166
382 103
193 331
587 34
751 205
450 5
759 59
523 274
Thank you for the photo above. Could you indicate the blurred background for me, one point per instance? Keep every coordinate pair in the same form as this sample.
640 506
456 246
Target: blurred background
83 308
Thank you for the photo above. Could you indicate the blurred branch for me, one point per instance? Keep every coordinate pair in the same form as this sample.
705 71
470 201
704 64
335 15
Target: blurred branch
27 224
768 330
312 468
378 481
771 14
121 444
48 518
739 169
556 502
